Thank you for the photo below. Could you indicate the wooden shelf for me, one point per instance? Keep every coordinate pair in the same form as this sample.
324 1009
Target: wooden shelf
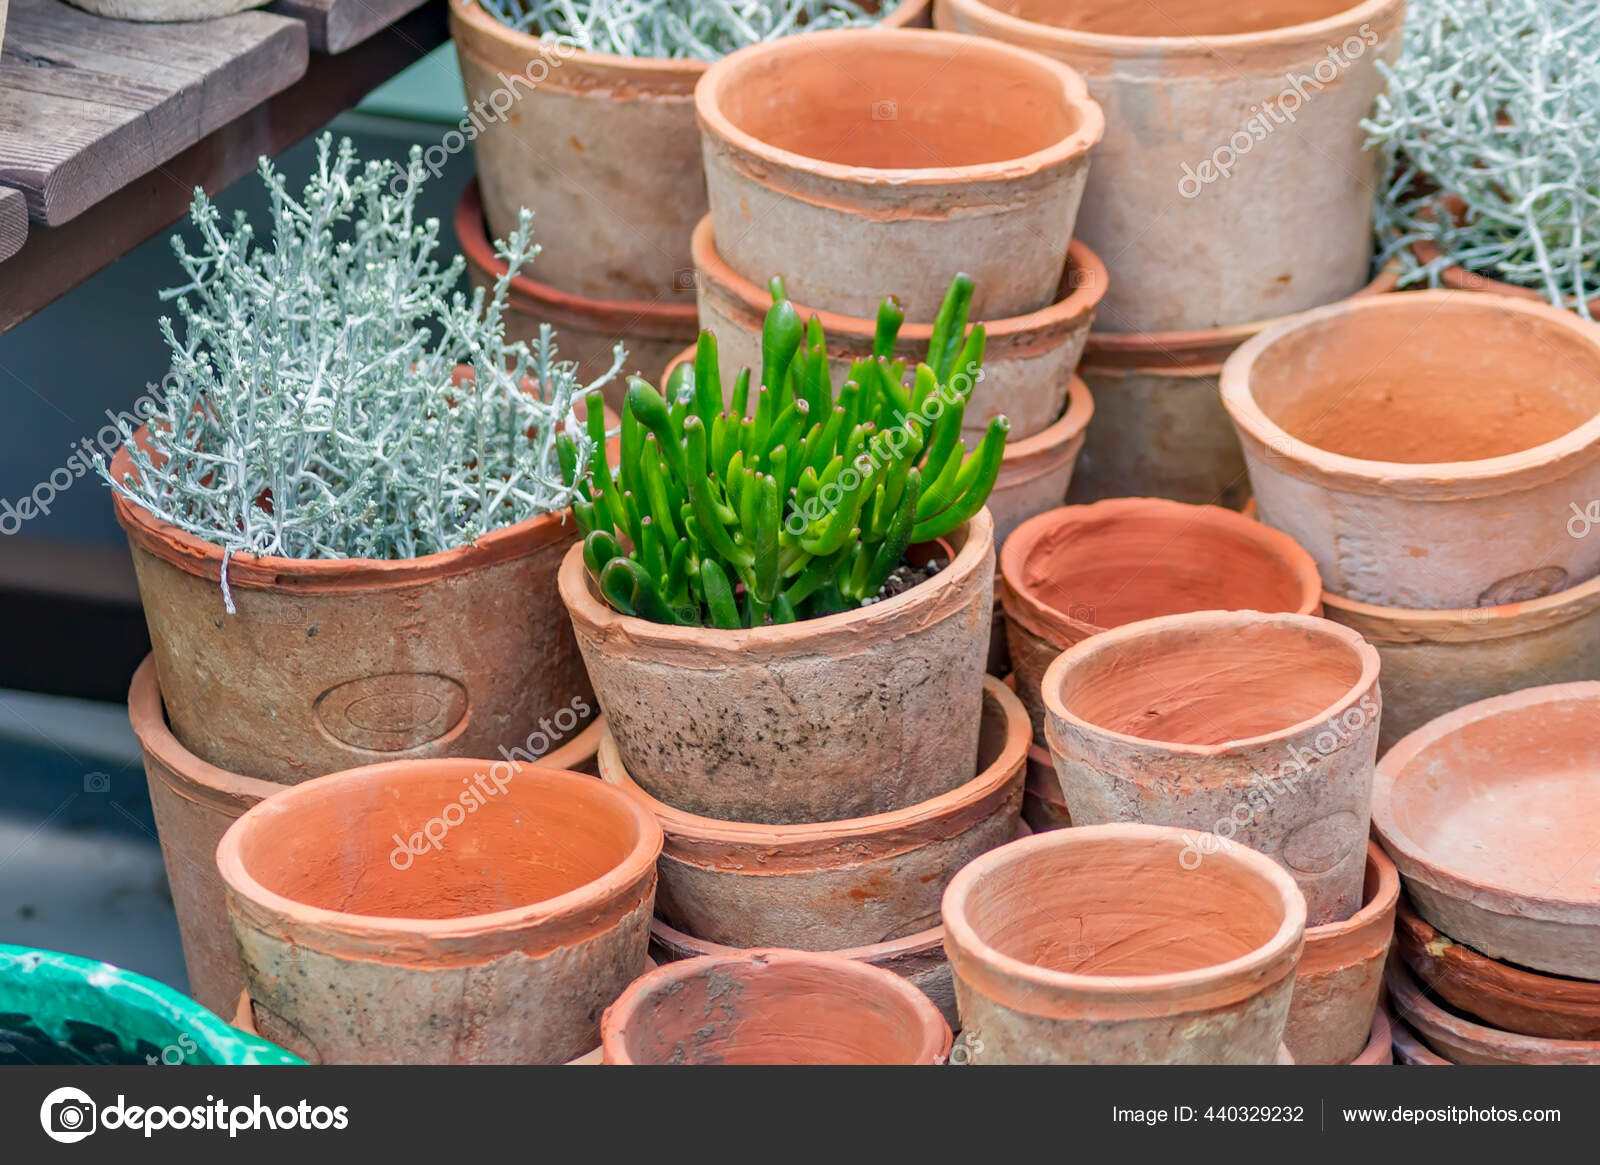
13 222
337 25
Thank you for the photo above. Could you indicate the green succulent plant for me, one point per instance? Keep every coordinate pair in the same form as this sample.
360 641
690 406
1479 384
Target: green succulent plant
783 499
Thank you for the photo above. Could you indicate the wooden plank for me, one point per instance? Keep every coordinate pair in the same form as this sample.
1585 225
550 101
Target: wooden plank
13 222
337 25
87 104
56 259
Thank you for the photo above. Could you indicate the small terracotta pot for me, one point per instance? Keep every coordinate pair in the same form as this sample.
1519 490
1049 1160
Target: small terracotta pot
1380 1044
1043 807
1036 471
836 884
1463 1041
498 941
1094 945
1073 572
586 329
1341 974
1491 815
1199 145
862 712
773 1007
825 155
1411 1051
1415 473
1458 278
1028 359
1502 995
1262 728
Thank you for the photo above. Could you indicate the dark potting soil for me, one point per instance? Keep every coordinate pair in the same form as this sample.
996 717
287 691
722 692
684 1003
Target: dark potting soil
904 577
22 1042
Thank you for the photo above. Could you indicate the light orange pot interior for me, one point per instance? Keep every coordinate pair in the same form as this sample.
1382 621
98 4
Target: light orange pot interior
1164 18
1213 684
1421 383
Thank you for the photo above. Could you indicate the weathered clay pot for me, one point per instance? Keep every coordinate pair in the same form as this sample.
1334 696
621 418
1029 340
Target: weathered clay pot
836 884
1028 359
1073 572
828 155
1491 814
1415 472
1094 945
1341 974
1380 1043
333 663
1261 728
1043 807
862 712
1273 96
1410 1050
497 941
1464 1041
586 329
773 1007
1502 995
1036 471
1437 661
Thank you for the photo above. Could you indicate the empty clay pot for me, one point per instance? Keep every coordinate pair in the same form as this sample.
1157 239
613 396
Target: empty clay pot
1461 1040
1095 945
862 712
1036 471
1233 129
773 1007
494 937
1491 813
1028 359
1076 571
1043 807
1340 977
1261 728
834 884
1417 473
827 156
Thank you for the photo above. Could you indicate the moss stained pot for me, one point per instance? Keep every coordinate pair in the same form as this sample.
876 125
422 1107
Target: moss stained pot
497 936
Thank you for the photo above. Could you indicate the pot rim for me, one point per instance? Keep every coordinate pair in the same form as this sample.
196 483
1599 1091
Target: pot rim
715 125
1327 945
933 1035
1429 1019
1085 278
1021 601
1438 869
1322 467
908 946
1049 443
577 908
1220 983
1409 625
775 843
1458 278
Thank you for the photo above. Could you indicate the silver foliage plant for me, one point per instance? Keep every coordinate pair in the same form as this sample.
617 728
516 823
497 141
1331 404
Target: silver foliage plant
702 29
1491 135
312 409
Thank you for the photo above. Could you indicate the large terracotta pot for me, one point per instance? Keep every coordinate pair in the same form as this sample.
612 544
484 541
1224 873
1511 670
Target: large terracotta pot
495 937
1028 359
773 1007
1094 945
1236 125
1260 728
1417 473
832 884
862 712
1073 572
832 161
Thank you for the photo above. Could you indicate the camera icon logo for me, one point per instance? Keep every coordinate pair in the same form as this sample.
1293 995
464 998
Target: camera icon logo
885 111
97 783
685 279
68 1115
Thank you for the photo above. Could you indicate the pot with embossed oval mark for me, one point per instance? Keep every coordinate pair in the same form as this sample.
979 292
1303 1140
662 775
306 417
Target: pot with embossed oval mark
1259 728
1417 473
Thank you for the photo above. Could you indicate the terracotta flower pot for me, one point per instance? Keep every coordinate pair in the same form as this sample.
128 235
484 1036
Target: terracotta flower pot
1503 996
1036 471
773 1007
1094 945
836 884
1076 571
1464 1041
1260 728
1028 360
1437 661
1416 473
1197 147
828 155
1043 807
857 713
1341 974
498 939
1458 278
1491 815
586 329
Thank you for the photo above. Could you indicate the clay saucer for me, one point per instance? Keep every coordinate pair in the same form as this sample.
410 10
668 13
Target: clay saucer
1465 1041
1380 1047
1410 1050
1505 996
1492 814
